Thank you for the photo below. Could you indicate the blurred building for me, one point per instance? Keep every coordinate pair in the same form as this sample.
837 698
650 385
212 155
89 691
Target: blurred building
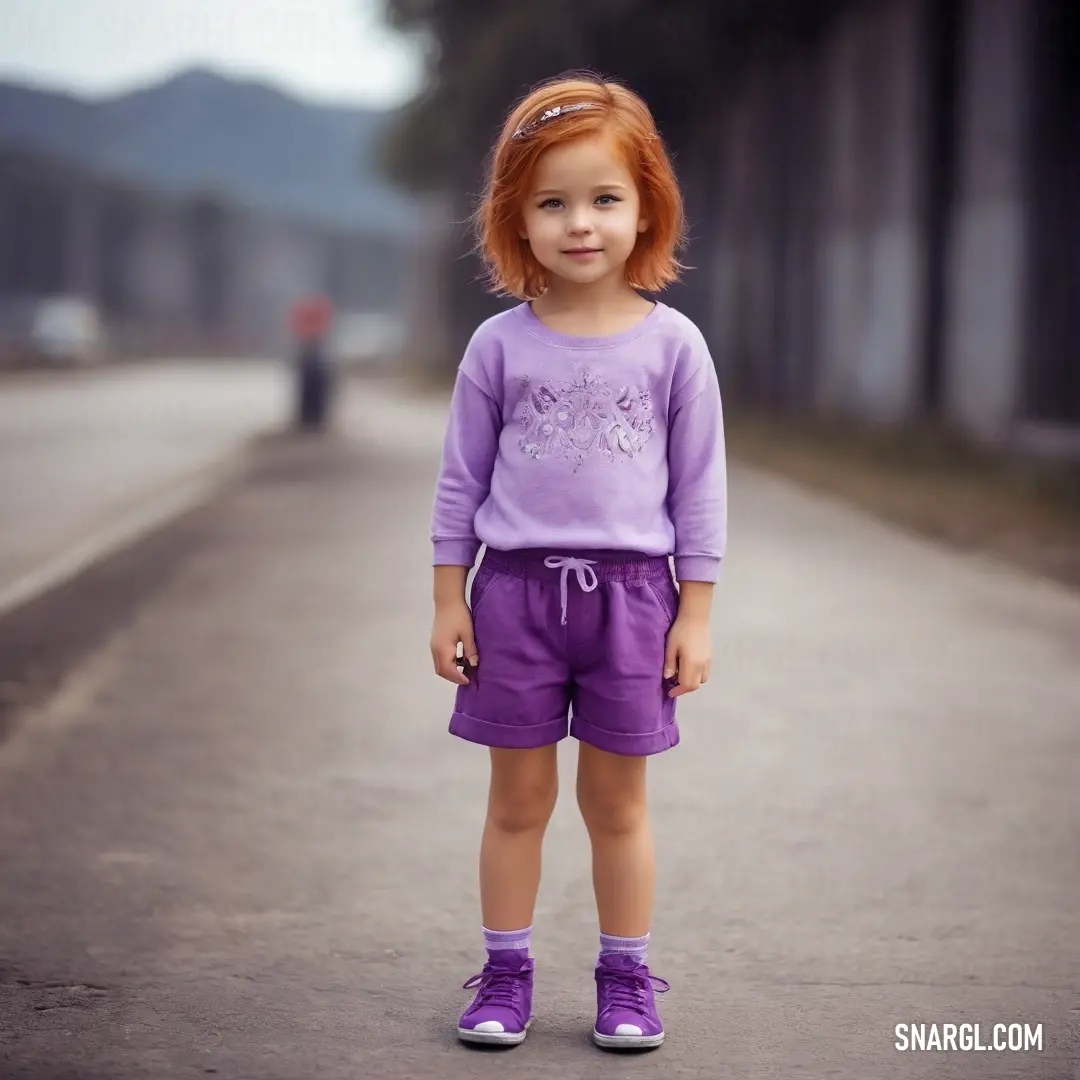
173 275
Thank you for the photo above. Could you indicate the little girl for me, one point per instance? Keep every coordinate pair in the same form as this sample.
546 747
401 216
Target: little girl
584 447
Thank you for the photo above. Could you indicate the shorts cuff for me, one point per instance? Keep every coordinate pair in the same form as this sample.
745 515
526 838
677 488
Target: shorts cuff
510 736
620 742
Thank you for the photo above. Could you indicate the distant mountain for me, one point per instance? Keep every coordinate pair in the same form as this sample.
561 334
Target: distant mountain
200 131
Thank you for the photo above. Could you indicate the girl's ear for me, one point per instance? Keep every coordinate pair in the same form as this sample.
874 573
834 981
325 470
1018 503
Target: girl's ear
643 224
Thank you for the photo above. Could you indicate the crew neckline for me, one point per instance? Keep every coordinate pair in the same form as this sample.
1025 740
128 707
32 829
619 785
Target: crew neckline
539 329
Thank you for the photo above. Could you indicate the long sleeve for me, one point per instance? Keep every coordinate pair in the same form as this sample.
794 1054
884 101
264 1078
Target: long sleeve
469 450
697 477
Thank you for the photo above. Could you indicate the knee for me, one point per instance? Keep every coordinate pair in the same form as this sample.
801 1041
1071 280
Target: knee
525 808
610 811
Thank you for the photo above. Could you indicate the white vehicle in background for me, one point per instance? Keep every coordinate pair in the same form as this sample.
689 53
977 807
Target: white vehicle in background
67 330
366 342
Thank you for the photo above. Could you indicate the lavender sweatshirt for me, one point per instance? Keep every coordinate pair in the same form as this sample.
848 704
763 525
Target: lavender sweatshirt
571 443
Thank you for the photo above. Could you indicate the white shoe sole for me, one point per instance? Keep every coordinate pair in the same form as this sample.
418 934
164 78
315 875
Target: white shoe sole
627 1042
493 1038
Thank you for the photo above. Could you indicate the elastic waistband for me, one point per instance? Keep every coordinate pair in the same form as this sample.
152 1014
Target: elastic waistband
626 566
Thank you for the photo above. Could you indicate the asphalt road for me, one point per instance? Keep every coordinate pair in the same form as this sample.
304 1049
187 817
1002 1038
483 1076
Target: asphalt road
83 452
236 839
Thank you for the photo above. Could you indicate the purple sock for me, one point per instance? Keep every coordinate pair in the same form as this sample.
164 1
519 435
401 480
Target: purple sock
637 947
504 940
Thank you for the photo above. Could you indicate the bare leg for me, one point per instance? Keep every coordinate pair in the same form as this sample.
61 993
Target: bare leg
611 795
524 787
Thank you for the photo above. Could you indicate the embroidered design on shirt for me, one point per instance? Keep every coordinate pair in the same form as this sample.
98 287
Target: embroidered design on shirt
583 418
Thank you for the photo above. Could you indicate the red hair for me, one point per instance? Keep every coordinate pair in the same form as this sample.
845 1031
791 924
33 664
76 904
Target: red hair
512 269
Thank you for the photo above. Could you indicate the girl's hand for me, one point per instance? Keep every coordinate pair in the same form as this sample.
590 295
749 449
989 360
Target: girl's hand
688 655
453 624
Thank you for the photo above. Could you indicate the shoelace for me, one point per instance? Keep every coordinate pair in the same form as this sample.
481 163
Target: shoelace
497 987
626 989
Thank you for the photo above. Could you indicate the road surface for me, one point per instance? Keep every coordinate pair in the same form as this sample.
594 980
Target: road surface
237 840
81 453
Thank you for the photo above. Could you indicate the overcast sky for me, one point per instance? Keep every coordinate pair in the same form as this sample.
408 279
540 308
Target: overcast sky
324 50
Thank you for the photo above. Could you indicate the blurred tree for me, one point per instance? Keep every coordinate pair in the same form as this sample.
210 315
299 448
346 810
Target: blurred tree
485 54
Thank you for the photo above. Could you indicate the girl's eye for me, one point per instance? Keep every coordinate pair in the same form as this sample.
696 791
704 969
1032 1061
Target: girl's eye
603 200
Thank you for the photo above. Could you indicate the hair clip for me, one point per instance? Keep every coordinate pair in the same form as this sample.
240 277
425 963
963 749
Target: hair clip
551 114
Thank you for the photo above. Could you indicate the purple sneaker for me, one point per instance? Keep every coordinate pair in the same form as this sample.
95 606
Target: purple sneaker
626 1014
502 1009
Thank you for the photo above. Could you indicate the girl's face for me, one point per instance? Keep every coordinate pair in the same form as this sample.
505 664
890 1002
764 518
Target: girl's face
582 216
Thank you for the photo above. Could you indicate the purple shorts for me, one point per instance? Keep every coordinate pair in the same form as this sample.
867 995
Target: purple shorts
569 646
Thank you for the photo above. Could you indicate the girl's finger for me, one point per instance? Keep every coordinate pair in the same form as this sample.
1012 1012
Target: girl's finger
690 679
447 667
671 661
468 645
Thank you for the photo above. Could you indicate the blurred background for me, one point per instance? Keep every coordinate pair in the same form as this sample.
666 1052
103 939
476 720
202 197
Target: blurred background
236 281
883 194
883 201
181 192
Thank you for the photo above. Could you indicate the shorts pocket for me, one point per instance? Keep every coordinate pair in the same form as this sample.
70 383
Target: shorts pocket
667 596
482 581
